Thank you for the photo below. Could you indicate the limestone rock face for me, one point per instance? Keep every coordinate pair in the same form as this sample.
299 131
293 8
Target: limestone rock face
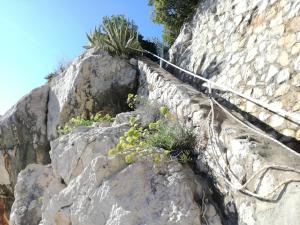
102 190
96 189
107 192
91 188
23 129
4 176
71 153
94 82
29 192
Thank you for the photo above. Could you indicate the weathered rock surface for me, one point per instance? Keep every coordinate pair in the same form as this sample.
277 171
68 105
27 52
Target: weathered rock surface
251 46
71 153
91 188
103 190
94 82
4 176
23 129
241 154
107 192
29 194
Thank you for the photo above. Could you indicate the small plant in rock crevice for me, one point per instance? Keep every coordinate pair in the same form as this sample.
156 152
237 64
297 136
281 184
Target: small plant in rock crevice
162 140
78 121
61 68
132 101
51 76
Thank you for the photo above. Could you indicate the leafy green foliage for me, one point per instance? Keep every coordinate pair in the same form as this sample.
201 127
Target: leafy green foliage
136 102
150 46
98 117
78 121
117 35
163 139
172 14
164 110
132 101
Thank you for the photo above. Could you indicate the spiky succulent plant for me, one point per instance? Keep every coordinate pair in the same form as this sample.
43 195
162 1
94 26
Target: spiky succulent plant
117 35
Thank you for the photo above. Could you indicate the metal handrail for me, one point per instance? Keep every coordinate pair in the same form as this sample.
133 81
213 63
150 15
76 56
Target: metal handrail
288 115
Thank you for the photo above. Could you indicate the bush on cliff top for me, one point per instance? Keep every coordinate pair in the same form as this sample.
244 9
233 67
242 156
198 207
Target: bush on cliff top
117 35
172 14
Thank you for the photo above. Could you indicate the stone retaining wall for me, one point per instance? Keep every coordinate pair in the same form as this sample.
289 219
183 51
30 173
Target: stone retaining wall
233 146
251 46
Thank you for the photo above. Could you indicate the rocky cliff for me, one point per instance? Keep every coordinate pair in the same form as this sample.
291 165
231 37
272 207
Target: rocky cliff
89 85
238 174
239 177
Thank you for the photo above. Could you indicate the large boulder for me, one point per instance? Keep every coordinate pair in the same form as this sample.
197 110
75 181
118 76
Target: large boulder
94 82
23 133
107 192
71 153
29 192
97 189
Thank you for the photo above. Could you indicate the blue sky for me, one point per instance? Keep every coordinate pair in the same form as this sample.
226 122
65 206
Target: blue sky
38 34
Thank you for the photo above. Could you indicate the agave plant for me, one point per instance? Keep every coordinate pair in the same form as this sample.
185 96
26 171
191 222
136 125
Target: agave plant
94 39
117 35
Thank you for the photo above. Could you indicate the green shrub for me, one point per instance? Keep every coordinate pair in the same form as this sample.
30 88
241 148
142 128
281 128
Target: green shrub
132 101
117 35
172 14
78 121
150 46
164 139
98 117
